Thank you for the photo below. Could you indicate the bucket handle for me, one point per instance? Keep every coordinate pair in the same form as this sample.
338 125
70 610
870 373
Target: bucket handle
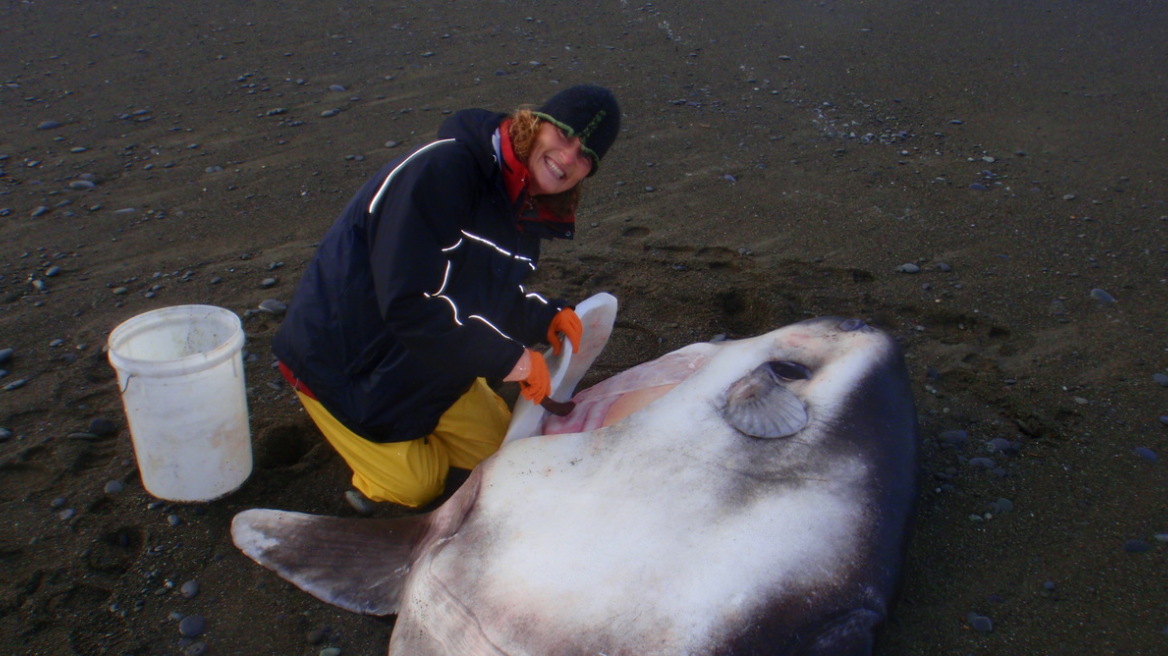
127 385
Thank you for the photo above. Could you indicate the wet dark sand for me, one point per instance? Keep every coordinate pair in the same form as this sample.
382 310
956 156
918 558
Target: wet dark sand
776 163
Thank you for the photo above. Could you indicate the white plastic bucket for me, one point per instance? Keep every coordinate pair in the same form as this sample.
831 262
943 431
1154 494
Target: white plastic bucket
180 371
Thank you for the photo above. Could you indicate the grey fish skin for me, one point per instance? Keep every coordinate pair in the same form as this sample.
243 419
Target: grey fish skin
760 506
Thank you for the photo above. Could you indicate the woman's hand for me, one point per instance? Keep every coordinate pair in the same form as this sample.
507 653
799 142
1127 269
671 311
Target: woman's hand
567 322
531 372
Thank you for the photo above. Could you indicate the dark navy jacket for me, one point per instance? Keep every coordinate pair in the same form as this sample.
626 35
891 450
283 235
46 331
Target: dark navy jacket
416 290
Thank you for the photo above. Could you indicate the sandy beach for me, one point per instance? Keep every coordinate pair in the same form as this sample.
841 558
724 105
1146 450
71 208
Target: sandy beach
986 182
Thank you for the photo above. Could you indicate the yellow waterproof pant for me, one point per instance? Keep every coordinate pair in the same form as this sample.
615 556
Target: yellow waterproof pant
414 473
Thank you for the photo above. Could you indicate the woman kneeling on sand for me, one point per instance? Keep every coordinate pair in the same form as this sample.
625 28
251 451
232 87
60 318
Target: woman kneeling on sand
415 296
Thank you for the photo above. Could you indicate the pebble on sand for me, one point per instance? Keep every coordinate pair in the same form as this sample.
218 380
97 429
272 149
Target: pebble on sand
1146 453
1102 296
1136 546
980 623
192 626
272 306
102 427
908 267
190 589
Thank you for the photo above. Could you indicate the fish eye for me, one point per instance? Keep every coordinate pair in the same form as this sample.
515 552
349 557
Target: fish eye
788 370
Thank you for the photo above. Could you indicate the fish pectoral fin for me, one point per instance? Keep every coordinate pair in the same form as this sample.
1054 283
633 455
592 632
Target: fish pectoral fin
358 564
759 405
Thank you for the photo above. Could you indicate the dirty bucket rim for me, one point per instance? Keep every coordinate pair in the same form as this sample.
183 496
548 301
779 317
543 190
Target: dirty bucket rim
193 363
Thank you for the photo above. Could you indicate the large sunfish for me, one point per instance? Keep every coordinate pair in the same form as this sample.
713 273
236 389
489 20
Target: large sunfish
738 497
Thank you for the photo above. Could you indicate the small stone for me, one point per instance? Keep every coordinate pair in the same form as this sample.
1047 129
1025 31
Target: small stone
195 649
1146 453
48 125
1069 197
272 306
15 385
1160 379
190 589
330 651
979 623
956 437
114 487
192 626
52 271
908 267
102 427
1136 546
269 282
337 87
1102 296
317 636
120 291
1049 586
329 113
392 144
39 210
1002 445
66 514
82 185
5 434
214 168
5 355
1002 506
173 520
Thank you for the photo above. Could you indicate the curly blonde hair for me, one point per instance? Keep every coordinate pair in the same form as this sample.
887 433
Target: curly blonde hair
523 131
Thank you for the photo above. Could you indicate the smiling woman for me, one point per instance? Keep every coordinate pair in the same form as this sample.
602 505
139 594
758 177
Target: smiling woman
415 296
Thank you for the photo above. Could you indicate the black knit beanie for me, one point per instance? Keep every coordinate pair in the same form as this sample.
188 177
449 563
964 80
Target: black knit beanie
586 111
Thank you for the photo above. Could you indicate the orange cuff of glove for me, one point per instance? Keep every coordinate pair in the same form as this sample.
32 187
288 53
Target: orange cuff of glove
531 371
567 322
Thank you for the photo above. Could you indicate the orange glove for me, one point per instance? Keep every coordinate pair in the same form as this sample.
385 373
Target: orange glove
538 383
568 323
531 371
